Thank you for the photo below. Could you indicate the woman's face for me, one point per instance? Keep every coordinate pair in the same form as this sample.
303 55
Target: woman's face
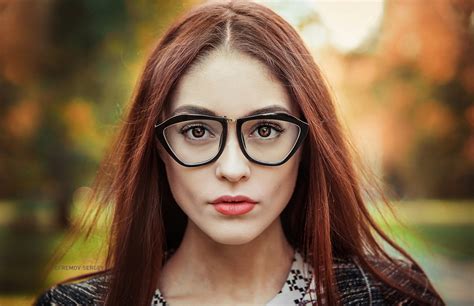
232 85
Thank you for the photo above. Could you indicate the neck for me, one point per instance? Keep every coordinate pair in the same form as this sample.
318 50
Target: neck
242 271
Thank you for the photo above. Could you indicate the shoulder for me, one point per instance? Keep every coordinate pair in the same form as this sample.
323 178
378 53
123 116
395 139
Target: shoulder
86 292
356 283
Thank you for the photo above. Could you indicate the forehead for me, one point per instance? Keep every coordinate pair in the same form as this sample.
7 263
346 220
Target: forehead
230 84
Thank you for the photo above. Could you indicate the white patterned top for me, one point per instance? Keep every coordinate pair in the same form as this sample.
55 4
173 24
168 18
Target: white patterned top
295 291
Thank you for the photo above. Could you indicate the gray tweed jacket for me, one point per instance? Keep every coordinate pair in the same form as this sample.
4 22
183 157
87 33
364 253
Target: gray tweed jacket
356 287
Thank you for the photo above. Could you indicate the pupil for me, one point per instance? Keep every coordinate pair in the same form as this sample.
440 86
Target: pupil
199 132
265 130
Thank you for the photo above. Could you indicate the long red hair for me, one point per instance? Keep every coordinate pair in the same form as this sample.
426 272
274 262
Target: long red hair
327 214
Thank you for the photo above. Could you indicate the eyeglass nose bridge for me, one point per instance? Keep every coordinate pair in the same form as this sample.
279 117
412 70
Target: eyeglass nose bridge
225 138
230 119
227 119
238 135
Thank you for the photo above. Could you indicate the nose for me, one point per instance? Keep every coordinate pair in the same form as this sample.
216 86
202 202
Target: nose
232 164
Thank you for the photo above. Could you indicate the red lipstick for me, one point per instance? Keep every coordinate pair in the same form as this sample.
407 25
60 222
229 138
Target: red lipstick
233 205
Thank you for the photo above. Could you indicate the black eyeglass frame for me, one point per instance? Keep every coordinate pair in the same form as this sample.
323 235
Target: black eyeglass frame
159 133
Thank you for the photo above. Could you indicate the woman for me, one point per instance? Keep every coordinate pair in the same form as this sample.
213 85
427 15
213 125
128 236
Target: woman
233 184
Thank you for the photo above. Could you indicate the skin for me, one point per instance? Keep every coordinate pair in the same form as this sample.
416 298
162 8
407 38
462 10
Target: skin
232 260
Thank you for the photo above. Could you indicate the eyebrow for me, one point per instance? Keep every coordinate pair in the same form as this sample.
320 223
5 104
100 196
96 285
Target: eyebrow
194 109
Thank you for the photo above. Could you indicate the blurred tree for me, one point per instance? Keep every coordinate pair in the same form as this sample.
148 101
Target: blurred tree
407 92
42 129
67 70
427 89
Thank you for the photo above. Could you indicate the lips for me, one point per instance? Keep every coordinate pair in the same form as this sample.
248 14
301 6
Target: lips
233 205
233 199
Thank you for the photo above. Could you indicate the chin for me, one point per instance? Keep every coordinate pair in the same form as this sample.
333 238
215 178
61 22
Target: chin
232 238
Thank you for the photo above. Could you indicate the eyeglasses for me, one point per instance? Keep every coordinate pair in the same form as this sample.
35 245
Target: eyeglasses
266 139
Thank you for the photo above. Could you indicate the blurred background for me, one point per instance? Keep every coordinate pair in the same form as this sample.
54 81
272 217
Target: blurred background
402 73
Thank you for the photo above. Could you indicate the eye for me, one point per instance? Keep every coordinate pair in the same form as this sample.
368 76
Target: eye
267 130
196 132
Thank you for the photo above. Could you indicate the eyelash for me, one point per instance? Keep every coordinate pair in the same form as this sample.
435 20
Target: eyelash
186 128
269 123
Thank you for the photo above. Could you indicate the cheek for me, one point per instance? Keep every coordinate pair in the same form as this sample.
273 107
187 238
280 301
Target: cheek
280 184
180 184
187 185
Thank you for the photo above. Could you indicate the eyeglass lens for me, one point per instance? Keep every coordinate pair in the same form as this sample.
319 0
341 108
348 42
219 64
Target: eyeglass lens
265 140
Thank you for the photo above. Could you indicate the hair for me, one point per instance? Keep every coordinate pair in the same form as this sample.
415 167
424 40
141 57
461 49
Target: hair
326 217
